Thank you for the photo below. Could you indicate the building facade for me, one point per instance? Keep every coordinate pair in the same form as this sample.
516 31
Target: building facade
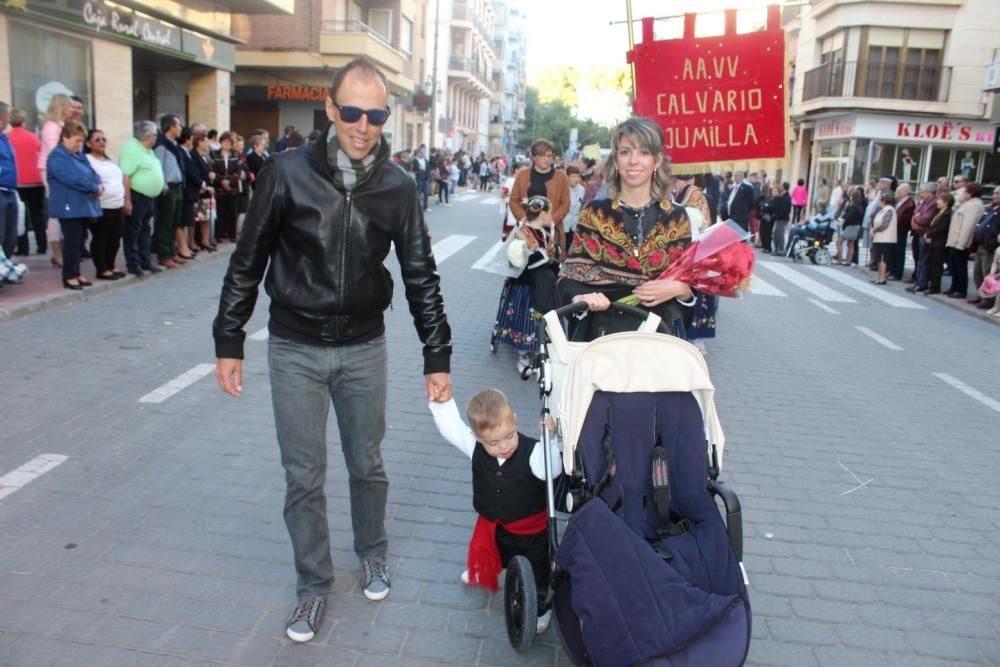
127 60
286 64
464 73
893 88
509 79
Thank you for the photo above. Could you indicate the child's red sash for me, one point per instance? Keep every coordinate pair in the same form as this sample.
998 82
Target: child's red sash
484 555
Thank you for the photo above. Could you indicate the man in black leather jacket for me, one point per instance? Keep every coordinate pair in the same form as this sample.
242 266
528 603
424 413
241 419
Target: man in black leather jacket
323 217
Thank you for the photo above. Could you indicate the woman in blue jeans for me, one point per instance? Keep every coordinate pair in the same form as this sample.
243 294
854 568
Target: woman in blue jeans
74 197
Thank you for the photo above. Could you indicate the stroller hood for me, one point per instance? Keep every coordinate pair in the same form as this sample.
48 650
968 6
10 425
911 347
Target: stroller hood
634 362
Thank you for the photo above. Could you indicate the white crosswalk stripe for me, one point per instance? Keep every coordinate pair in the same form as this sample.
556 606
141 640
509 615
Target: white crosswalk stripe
800 279
490 201
449 245
874 291
760 286
488 256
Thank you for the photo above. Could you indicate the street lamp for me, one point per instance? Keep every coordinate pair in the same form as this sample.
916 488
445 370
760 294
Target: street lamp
434 76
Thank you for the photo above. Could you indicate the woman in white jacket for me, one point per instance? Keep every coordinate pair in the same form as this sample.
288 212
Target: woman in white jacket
963 225
883 235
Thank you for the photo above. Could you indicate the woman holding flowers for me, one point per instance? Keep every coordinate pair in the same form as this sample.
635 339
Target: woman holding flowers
624 242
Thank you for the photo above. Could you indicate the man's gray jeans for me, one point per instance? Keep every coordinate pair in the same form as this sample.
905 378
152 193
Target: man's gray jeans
304 378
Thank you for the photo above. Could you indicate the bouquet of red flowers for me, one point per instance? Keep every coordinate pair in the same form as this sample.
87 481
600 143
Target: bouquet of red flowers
718 263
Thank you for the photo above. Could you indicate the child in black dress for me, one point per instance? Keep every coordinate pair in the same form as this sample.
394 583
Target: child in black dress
508 490
532 294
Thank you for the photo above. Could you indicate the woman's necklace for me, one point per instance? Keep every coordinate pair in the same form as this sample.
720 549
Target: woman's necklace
637 213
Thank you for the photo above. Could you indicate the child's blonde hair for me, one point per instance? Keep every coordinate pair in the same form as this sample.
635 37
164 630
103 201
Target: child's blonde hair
488 409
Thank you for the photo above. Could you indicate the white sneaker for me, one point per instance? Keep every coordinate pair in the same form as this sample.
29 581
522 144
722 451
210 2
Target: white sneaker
465 577
543 622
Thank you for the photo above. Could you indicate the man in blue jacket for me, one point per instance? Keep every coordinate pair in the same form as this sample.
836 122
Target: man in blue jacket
8 187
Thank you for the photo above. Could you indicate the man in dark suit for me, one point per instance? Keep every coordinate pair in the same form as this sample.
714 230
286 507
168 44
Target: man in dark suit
905 206
740 200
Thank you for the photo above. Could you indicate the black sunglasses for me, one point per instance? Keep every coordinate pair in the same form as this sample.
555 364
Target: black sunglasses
376 117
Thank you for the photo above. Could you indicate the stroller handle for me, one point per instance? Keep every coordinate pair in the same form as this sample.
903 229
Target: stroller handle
623 308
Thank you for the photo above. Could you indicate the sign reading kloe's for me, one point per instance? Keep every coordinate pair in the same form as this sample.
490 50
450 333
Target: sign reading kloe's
717 98
906 129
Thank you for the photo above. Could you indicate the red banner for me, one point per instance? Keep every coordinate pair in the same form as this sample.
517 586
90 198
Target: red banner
718 99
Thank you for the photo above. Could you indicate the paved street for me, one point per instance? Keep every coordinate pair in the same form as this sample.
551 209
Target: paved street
862 439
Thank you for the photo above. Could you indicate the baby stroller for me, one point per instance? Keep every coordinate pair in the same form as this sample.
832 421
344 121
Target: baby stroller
814 244
646 572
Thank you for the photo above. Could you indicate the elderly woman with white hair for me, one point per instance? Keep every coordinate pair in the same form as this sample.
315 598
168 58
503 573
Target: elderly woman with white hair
143 184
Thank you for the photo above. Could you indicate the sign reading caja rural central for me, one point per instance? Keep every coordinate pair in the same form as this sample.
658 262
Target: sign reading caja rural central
718 98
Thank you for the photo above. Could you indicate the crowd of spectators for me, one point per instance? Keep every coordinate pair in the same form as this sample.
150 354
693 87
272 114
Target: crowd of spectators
174 191
942 226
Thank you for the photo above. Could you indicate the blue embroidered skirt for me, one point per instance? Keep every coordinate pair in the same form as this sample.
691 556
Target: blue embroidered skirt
703 318
517 320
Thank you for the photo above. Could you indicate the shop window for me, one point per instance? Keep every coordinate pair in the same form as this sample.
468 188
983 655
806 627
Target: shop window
900 161
940 163
858 172
43 63
991 171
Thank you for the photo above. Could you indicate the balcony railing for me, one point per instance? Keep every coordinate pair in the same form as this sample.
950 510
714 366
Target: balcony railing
355 26
475 67
358 38
463 12
879 80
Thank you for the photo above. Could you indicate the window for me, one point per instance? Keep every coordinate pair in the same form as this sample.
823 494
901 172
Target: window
406 35
380 21
44 63
902 64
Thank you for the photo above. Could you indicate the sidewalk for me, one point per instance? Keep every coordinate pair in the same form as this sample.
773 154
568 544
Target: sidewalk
42 287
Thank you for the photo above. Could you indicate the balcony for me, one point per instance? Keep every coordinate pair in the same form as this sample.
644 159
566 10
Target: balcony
473 73
877 80
464 13
355 38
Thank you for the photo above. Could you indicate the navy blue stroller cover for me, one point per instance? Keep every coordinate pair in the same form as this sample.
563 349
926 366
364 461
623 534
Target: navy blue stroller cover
636 607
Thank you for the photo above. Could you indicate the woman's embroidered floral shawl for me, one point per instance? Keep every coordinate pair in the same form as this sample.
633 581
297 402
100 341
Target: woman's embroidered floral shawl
603 253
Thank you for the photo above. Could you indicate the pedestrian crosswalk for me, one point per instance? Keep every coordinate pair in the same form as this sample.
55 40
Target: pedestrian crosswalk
799 278
814 280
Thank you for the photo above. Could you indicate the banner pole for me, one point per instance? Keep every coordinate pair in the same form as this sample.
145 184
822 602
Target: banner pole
631 44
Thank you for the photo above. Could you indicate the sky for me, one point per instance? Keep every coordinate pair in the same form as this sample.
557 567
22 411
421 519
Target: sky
578 32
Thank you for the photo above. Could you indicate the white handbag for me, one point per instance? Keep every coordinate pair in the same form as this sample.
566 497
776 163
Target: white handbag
511 258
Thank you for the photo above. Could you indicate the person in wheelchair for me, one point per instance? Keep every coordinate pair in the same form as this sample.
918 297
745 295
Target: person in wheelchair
508 490
820 226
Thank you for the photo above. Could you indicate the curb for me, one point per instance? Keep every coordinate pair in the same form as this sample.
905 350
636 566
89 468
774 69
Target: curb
99 289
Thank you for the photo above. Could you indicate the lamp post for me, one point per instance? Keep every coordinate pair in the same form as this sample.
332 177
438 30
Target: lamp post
434 76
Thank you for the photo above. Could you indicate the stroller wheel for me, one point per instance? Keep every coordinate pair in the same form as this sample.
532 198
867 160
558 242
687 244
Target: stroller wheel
520 603
526 372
